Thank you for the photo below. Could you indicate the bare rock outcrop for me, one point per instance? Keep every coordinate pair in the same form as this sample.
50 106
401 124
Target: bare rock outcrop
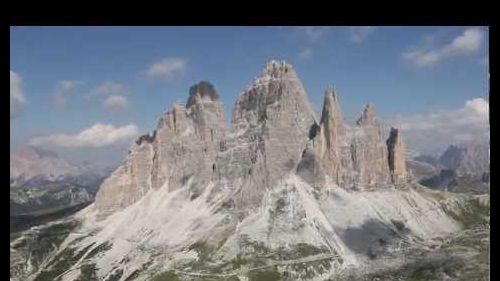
397 158
274 132
353 156
331 130
271 123
197 193
181 150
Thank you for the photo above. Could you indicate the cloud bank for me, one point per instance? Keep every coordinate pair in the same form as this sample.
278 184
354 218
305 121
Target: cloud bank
167 68
98 135
467 43
434 131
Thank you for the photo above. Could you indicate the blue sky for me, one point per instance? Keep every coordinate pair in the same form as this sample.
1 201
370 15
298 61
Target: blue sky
71 78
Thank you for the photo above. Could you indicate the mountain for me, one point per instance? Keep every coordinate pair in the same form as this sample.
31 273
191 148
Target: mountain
278 195
461 168
471 158
35 166
44 186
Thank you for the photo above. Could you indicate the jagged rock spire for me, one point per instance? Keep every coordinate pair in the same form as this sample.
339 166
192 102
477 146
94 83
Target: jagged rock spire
175 119
331 108
326 143
183 147
275 98
351 156
277 69
396 156
368 116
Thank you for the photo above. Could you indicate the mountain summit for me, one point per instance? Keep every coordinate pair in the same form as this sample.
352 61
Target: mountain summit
272 125
196 198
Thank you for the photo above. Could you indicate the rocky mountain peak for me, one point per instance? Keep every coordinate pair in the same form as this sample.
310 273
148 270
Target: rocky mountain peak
202 92
183 147
331 108
397 156
175 119
271 129
368 116
277 70
326 142
352 156
28 163
470 158
268 185
276 98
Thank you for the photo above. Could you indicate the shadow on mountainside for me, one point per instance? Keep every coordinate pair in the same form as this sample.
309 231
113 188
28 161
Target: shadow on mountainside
374 236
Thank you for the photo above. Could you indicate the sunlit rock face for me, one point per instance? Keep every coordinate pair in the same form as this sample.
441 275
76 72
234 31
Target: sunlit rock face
181 149
273 128
353 156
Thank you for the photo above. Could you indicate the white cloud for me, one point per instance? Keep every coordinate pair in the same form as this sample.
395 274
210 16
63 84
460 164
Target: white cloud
63 90
306 53
435 130
107 88
115 102
469 42
360 33
314 33
98 135
167 68
17 98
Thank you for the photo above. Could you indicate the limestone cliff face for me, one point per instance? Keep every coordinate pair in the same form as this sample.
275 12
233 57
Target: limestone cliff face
271 122
187 140
275 99
353 156
195 196
331 130
274 133
397 158
371 150
181 150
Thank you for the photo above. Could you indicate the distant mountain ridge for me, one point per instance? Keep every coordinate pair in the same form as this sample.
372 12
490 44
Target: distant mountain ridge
36 167
463 167
470 158
33 163
44 185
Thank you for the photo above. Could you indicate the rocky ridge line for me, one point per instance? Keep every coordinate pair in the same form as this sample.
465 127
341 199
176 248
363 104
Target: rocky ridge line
273 128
